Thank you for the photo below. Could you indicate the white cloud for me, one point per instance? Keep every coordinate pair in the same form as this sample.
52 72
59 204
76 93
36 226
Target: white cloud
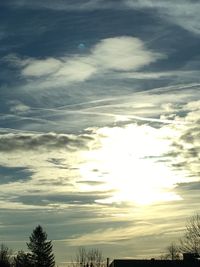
192 105
76 69
122 53
18 107
40 67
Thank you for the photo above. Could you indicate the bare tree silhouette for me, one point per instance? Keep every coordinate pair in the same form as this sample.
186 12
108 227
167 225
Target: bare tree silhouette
88 258
191 239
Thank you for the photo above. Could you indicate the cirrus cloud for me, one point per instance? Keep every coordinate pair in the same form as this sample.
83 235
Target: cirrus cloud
184 14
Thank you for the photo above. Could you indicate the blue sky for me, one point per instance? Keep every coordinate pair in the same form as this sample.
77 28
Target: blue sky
99 125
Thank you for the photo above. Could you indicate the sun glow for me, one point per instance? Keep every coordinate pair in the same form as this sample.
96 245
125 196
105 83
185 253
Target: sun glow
130 163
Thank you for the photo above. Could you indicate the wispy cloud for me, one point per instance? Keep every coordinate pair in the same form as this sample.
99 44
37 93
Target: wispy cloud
118 81
185 14
17 107
66 5
183 74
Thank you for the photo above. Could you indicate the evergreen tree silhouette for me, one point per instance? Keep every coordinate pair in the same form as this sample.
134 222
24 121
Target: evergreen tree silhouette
41 250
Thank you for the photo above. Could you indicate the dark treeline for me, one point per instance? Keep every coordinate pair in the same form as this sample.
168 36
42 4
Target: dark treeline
40 255
40 250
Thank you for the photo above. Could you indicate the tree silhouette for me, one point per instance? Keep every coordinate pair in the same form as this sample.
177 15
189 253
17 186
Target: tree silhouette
41 250
191 239
23 259
88 258
173 252
5 256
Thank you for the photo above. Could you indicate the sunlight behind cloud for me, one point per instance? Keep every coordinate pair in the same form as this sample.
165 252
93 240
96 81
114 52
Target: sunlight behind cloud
128 163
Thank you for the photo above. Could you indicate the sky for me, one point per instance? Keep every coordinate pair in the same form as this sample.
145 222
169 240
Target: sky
99 123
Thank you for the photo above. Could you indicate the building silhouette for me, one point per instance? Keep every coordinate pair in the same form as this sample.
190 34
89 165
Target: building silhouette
189 260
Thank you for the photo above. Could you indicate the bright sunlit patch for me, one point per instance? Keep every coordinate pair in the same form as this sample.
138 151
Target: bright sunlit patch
129 162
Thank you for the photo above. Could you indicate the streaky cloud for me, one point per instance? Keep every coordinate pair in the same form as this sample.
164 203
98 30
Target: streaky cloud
68 5
184 14
14 141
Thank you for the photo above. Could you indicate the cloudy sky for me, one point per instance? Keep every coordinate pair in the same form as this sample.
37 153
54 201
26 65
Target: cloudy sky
100 123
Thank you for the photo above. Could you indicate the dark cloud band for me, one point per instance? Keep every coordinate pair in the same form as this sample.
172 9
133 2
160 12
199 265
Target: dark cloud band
11 142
